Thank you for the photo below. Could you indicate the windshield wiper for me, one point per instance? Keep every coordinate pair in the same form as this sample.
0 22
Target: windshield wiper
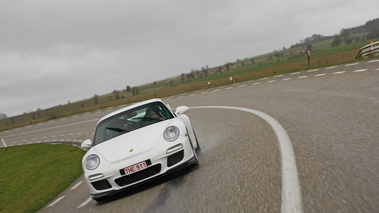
117 129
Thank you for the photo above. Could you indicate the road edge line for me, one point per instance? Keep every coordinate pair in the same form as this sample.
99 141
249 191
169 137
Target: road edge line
291 193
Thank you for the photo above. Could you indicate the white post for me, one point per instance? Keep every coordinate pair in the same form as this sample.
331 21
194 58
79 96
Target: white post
5 145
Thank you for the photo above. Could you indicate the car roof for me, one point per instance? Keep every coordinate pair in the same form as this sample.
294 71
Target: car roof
131 107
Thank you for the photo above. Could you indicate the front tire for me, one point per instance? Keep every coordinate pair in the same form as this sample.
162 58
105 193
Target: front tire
100 199
198 149
195 150
197 159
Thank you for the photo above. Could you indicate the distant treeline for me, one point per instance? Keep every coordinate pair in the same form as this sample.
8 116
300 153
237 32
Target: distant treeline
371 27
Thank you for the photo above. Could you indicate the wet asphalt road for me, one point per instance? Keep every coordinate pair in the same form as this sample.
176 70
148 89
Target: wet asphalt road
331 116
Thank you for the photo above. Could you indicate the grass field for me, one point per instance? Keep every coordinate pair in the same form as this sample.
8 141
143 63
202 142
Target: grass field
33 175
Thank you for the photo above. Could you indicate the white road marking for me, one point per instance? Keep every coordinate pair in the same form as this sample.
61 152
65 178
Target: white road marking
277 76
85 202
216 90
272 81
57 127
56 201
229 88
76 185
377 69
304 76
256 83
352 64
286 79
192 95
373 61
339 72
319 75
329 68
361 70
295 73
313 70
291 194
242 86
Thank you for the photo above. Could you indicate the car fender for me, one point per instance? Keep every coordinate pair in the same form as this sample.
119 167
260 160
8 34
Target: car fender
189 128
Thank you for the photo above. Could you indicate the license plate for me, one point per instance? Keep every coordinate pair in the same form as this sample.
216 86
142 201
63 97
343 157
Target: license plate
135 168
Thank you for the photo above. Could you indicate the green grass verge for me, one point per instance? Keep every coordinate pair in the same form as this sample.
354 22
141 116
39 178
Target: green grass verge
33 175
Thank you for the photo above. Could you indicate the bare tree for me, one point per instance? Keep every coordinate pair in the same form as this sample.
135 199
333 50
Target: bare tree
116 94
219 70
337 41
96 99
227 65
277 55
205 71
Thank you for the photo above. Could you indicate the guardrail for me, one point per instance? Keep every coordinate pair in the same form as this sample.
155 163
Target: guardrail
368 50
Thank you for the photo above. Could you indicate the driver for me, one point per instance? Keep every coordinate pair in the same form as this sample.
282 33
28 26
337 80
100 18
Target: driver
153 112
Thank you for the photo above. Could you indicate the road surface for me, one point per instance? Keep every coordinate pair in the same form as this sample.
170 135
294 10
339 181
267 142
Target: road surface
331 118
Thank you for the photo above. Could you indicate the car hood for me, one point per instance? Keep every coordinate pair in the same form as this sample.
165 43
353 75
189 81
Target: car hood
132 143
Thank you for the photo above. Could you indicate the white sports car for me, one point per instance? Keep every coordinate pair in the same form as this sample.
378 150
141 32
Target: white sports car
136 144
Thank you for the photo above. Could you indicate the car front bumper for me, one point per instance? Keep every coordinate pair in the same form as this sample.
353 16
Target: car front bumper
186 164
159 163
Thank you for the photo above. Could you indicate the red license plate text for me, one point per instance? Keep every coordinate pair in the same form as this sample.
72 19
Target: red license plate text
135 168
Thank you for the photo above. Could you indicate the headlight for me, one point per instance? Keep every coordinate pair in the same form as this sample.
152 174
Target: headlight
171 133
92 162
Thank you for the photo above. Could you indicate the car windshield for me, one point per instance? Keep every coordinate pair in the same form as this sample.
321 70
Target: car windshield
131 120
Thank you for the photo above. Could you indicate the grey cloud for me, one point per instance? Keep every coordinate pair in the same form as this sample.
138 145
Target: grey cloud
72 49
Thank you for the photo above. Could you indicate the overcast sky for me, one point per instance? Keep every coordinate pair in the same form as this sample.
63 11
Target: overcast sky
52 52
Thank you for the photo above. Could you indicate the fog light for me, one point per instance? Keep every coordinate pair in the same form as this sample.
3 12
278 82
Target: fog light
95 176
174 148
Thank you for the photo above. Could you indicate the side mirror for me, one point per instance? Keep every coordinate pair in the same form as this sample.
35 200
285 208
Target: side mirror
181 110
86 144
